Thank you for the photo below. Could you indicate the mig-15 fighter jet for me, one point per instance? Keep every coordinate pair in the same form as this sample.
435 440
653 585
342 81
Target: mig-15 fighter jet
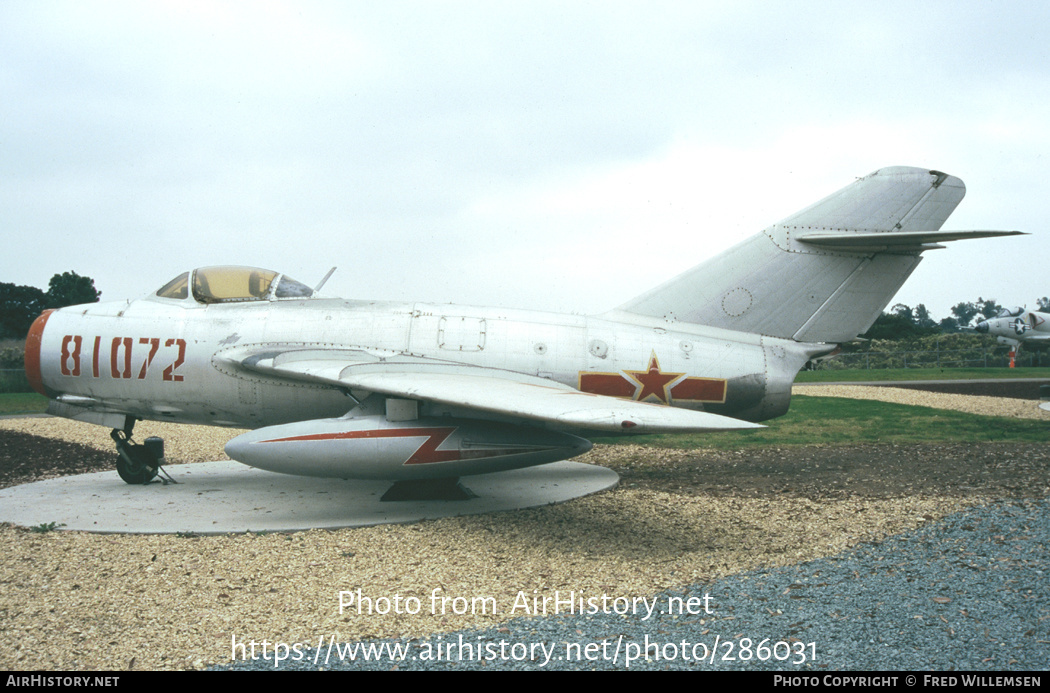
410 391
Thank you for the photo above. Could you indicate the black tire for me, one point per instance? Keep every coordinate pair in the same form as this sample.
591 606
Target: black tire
143 468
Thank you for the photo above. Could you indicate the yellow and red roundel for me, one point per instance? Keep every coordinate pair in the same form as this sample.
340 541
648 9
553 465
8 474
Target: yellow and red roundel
654 385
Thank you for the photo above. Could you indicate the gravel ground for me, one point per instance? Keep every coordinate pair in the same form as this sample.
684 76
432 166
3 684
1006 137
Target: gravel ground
883 557
965 593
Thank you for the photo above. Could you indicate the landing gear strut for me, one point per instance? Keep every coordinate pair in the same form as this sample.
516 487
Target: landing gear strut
136 464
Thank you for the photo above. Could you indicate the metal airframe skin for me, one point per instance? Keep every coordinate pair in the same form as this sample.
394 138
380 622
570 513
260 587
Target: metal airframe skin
216 389
349 388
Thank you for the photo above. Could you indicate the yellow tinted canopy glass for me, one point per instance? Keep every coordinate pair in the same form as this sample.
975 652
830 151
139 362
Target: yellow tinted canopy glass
177 288
228 283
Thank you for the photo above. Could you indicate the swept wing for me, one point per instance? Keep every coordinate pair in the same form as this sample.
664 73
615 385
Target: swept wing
485 390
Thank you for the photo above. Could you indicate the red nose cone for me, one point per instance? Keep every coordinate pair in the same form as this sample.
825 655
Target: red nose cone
33 339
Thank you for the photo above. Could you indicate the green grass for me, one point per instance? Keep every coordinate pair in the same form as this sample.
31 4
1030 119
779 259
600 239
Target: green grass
22 403
839 421
882 374
46 527
810 421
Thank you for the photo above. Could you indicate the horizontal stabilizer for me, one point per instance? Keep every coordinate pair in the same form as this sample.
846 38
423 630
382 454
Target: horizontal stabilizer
888 240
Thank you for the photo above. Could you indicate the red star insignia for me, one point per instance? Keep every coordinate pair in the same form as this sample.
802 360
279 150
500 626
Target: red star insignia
653 382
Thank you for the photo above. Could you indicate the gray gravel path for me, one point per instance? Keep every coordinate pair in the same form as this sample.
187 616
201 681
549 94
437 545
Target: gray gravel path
969 592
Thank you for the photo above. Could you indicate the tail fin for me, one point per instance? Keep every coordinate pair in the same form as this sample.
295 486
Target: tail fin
823 274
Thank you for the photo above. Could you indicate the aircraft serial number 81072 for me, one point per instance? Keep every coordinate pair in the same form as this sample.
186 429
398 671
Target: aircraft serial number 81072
403 391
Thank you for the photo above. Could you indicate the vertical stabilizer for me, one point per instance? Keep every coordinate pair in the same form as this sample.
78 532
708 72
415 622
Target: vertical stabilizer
823 274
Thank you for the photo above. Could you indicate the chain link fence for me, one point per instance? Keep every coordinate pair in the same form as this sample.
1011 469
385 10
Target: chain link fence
986 357
14 380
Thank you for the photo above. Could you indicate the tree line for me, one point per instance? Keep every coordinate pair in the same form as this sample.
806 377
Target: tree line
903 322
20 305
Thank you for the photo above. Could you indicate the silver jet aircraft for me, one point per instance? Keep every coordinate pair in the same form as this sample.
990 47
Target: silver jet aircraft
410 391
1016 326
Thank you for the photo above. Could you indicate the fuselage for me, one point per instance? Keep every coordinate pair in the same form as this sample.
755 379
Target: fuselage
165 359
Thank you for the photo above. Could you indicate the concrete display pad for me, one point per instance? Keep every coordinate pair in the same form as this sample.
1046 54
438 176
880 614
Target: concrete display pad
222 497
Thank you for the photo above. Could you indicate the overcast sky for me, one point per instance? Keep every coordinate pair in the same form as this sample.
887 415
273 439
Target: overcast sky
563 155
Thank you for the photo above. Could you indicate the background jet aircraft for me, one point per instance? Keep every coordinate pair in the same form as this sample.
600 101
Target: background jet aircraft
1016 326
401 391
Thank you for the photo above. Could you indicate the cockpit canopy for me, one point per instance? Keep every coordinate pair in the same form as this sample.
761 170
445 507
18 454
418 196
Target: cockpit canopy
229 284
1010 312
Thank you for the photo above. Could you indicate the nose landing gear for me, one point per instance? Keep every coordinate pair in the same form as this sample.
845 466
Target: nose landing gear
137 464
